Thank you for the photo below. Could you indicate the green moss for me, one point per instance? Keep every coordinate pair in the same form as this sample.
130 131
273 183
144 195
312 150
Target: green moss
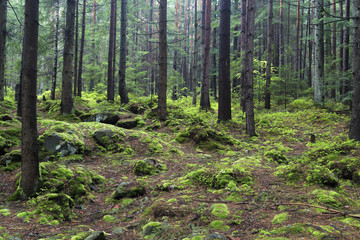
219 225
5 212
151 228
142 168
322 175
276 156
279 218
110 219
329 198
220 210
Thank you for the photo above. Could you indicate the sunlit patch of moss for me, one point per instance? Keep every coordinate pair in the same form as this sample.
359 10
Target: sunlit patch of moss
349 221
220 210
219 225
322 175
5 212
329 198
279 218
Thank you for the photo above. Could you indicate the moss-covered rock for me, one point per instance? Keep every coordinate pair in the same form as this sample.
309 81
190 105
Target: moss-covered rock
151 228
128 189
220 210
148 166
109 139
276 156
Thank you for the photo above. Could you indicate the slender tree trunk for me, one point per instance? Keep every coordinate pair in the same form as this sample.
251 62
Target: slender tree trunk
269 52
341 49
224 113
56 50
82 43
67 74
355 117
205 99
194 80
76 48
319 52
29 141
243 50
333 88
249 69
281 34
162 106
152 71
122 84
297 60
310 42
346 63
236 48
3 33
92 79
110 85
214 60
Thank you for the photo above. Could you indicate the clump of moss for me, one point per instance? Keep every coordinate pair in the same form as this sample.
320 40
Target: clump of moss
220 210
152 227
218 179
322 175
205 137
276 156
219 225
148 167
279 218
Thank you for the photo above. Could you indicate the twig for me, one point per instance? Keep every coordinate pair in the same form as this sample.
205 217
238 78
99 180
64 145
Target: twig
321 207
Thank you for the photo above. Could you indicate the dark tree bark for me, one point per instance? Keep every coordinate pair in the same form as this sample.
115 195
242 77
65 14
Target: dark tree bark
319 52
249 69
355 117
76 58
56 50
224 113
281 34
3 32
269 52
92 79
214 60
310 42
29 143
205 99
151 55
162 107
346 62
195 53
243 50
333 88
122 84
341 49
82 44
67 74
110 83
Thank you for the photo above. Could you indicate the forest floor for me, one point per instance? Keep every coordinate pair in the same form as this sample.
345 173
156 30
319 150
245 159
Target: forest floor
190 177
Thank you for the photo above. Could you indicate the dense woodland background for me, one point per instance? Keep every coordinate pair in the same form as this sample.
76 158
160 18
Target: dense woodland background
235 96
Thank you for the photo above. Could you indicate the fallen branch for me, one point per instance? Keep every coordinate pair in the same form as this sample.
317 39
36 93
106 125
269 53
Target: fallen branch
321 207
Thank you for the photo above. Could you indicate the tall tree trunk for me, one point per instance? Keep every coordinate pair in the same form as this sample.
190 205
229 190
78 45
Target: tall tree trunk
29 141
297 60
110 85
152 71
92 79
249 69
319 52
82 43
269 52
214 60
281 34
243 50
122 84
162 106
67 74
333 88
355 117
341 49
346 63
195 61
310 42
205 99
177 6
76 48
224 113
56 50
236 47
3 32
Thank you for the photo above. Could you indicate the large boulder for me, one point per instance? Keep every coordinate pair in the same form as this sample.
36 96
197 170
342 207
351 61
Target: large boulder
103 137
129 189
56 143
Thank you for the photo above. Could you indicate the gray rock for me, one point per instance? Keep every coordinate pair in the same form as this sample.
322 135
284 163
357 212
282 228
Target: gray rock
103 137
128 124
128 189
56 144
103 117
216 236
96 236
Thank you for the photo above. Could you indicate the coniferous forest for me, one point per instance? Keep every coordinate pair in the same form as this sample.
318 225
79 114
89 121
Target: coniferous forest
179 119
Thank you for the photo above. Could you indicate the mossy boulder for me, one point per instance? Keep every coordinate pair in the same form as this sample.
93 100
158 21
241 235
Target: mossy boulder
148 166
10 136
109 139
128 124
97 235
322 175
151 228
55 205
219 179
57 144
129 189
276 156
220 210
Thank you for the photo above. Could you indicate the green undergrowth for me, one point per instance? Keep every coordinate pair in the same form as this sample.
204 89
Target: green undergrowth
60 189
